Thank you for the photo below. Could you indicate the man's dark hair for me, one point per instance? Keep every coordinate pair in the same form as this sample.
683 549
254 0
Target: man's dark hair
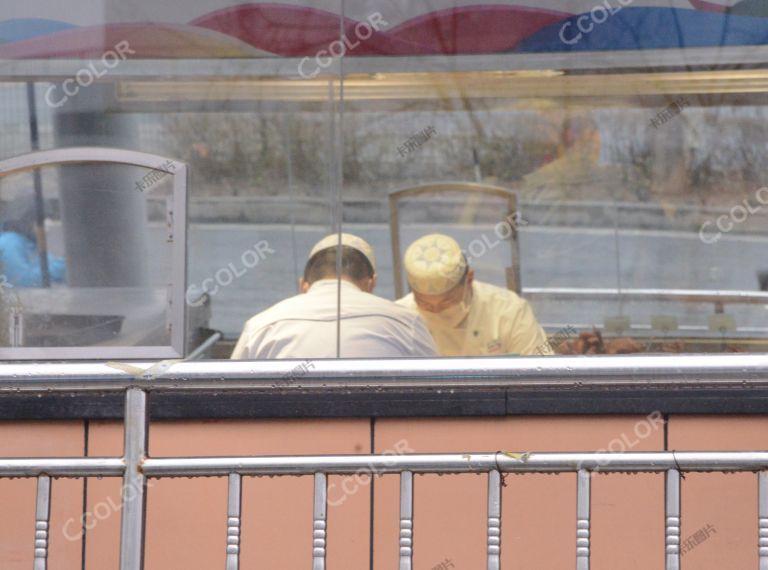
322 265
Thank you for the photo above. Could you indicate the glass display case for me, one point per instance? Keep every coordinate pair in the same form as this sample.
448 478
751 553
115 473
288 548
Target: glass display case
630 170
84 284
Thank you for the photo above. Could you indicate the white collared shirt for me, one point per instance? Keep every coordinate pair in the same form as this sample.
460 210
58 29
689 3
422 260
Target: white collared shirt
305 326
499 322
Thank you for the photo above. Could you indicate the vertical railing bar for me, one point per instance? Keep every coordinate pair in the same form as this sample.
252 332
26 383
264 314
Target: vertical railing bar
583 499
134 503
42 522
234 503
672 526
762 525
320 522
494 520
406 520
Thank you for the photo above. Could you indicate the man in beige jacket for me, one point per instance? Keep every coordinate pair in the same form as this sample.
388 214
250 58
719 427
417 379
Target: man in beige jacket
467 317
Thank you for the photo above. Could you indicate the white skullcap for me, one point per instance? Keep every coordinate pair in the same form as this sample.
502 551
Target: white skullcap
349 240
434 264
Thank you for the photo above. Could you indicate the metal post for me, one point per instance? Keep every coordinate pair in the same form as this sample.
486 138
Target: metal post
134 482
233 522
319 525
42 520
762 525
406 520
103 209
37 180
583 495
672 532
494 520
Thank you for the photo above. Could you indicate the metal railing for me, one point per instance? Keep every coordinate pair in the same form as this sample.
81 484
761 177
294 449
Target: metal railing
717 298
135 467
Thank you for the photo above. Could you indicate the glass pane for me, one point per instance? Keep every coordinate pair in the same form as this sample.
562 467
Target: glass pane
631 139
89 263
236 93
641 212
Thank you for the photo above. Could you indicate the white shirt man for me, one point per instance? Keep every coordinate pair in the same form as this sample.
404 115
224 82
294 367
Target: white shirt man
467 317
307 325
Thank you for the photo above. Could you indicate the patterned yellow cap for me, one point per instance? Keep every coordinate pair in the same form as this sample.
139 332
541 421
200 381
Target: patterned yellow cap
434 264
350 241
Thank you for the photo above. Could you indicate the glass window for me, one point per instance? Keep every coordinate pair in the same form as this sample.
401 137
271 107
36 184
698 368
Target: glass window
588 181
91 267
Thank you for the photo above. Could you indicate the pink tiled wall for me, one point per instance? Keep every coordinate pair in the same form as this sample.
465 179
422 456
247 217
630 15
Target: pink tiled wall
186 519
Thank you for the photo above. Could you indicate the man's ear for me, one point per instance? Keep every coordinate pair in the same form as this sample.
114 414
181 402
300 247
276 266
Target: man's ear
303 285
470 276
373 282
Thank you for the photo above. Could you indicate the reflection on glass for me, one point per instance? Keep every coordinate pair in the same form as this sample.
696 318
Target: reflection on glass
632 237
635 166
93 268
24 260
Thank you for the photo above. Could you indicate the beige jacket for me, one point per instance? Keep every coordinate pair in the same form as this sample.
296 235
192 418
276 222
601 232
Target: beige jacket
499 322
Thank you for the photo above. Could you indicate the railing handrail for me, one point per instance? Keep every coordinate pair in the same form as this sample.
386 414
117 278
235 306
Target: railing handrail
63 467
362 375
685 295
503 461
135 467
508 462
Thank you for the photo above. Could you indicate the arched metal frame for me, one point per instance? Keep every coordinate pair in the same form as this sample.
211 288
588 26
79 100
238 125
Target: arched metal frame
177 312
513 278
